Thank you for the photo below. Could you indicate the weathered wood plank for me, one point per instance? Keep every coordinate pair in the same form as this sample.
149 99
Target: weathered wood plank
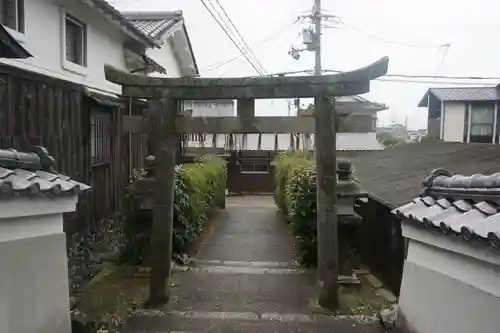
366 73
226 125
256 92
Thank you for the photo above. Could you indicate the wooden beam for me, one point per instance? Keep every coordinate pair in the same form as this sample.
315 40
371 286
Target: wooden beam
226 125
366 73
326 193
256 92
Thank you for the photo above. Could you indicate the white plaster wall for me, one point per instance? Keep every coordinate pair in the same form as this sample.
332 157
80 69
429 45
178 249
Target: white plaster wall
454 118
43 39
444 290
166 58
432 302
34 287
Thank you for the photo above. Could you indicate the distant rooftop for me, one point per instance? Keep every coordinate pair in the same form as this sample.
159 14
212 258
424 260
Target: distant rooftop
461 94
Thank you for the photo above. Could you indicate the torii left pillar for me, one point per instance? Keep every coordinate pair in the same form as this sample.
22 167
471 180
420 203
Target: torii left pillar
162 113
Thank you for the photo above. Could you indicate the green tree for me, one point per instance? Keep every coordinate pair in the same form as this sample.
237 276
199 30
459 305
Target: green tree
389 140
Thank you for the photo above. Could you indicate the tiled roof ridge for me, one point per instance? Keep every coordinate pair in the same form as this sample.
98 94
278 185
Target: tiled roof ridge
151 14
114 14
463 88
33 174
443 179
468 206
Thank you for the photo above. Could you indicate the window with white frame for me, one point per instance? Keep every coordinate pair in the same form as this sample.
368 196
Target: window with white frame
12 14
76 41
258 167
482 117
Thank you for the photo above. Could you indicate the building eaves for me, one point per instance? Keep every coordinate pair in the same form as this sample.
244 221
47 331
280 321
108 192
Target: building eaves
10 47
116 17
156 23
33 175
468 206
461 94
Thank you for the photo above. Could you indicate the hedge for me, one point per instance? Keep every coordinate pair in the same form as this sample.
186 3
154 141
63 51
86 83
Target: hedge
199 187
295 196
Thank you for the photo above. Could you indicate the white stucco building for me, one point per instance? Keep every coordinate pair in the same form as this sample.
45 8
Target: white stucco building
463 114
451 276
73 40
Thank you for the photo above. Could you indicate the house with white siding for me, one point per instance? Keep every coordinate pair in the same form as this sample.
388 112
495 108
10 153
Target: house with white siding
463 114
73 39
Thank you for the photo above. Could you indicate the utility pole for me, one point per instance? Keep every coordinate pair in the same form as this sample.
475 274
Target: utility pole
326 183
317 36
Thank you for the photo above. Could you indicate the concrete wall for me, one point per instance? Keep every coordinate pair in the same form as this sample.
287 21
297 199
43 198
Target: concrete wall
454 118
43 38
448 286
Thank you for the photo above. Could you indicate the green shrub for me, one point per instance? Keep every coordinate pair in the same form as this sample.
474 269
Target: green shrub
295 196
199 187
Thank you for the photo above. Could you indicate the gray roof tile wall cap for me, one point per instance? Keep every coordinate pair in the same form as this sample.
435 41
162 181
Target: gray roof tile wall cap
483 227
462 205
486 208
470 218
16 181
435 220
494 239
474 181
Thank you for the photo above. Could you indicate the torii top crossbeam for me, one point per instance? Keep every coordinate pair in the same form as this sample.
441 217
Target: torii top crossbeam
344 84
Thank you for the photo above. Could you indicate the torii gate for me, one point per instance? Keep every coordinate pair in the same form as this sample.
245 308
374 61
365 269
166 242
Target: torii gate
166 123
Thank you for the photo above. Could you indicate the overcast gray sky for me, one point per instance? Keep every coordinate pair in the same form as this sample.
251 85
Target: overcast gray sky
472 28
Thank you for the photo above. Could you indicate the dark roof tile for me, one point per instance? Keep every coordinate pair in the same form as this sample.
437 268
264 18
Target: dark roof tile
471 209
35 181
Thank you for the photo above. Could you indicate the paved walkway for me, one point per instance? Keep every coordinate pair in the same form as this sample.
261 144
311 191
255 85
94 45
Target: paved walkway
245 279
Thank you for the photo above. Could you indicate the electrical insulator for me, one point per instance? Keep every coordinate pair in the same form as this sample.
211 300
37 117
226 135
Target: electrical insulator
307 36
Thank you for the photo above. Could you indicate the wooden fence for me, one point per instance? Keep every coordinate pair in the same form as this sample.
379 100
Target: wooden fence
380 242
39 110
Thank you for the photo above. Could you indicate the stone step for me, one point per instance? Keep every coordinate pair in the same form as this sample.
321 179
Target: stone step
196 321
199 290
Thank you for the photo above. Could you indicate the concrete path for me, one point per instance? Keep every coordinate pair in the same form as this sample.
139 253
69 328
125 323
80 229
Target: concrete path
245 278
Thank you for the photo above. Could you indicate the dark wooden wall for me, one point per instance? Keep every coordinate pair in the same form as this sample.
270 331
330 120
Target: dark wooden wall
380 242
248 183
39 110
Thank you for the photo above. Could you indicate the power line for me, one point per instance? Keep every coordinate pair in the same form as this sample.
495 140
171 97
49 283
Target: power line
389 41
241 37
225 62
223 20
231 38
458 80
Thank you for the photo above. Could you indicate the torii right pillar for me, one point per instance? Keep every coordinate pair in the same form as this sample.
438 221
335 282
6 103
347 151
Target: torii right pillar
326 187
